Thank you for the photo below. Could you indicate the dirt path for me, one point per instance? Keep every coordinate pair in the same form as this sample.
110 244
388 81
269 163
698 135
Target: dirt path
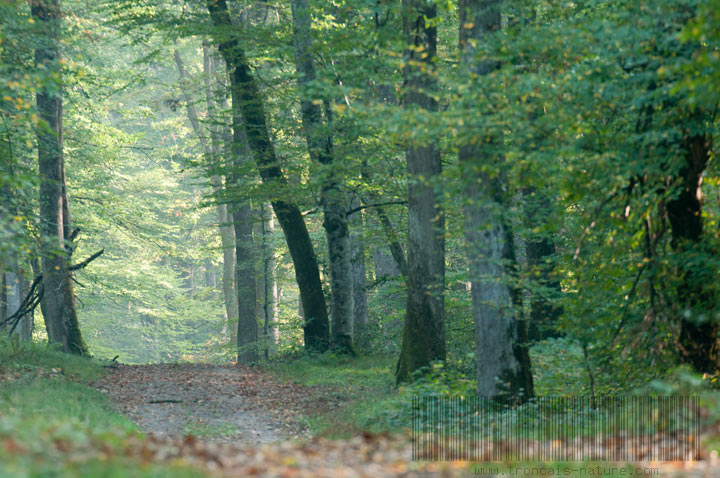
218 403
235 422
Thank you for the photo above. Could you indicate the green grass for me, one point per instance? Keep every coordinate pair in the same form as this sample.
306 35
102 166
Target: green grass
30 359
351 394
54 425
209 430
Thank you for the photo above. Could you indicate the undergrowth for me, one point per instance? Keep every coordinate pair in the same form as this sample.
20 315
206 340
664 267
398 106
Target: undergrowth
355 395
54 425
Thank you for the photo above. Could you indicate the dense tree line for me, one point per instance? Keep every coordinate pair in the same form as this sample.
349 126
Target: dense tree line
454 181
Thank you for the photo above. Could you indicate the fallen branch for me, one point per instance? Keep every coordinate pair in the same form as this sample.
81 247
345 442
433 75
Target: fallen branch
165 401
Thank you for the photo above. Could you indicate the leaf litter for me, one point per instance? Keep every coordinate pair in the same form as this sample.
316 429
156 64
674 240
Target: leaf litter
249 425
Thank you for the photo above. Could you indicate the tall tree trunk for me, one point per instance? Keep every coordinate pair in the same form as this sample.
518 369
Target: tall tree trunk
15 289
319 142
241 215
227 233
248 104
360 313
247 329
384 264
699 341
503 362
270 289
227 240
59 303
423 338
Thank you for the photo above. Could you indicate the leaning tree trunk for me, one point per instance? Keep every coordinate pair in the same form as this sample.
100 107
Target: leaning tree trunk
503 362
423 339
320 147
59 303
248 103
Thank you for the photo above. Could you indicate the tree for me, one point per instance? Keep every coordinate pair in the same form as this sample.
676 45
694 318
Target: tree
58 299
248 106
227 233
503 363
423 339
270 286
320 147
230 222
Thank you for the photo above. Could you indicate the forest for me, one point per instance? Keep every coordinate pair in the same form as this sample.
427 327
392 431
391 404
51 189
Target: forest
309 237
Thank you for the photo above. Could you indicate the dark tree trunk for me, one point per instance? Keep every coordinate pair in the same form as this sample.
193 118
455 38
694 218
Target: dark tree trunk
503 361
319 142
248 102
59 303
699 341
423 339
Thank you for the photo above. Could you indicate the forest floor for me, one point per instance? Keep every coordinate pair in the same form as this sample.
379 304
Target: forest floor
228 404
242 421
63 416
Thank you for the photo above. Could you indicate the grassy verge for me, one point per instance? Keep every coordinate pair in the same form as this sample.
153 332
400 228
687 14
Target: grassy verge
54 425
351 395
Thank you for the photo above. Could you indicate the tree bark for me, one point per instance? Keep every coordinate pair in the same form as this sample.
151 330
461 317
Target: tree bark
59 303
319 142
248 103
503 362
423 339
270 289
15 288
360 313
212 155
241 215
227 233
247 329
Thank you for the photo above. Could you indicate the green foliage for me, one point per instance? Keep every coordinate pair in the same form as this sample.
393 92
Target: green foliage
594 100
354 394
559 368
208 430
